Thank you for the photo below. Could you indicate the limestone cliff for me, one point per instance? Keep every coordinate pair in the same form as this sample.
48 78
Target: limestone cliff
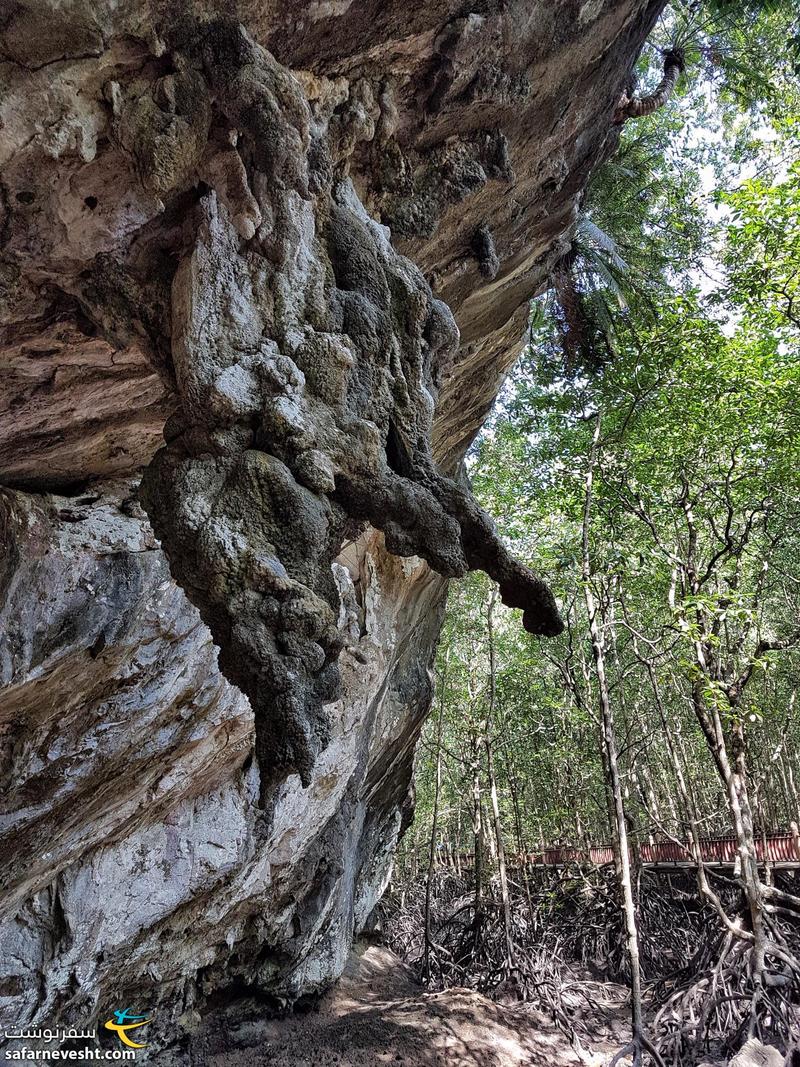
276 264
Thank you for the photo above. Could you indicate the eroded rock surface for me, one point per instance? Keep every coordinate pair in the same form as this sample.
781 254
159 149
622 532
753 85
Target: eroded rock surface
296 244
307 363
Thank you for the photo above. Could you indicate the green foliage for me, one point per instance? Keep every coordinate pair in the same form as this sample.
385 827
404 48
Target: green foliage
646 222
763 253
640 222
693 417
746 51
686 301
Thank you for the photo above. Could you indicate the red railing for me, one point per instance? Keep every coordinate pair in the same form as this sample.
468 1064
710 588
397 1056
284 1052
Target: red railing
780 848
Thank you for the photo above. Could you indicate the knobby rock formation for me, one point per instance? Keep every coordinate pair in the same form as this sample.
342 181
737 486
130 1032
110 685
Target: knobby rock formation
307 354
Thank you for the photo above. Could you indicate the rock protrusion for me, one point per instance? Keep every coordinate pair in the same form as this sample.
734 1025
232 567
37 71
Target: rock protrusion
307 365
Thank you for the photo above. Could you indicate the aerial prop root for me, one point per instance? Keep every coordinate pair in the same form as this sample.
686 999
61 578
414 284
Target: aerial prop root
639 1045
732 1000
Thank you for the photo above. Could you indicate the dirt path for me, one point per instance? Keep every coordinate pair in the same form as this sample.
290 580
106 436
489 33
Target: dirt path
378 1015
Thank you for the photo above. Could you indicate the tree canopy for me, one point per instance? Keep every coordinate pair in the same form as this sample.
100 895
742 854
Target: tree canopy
645 457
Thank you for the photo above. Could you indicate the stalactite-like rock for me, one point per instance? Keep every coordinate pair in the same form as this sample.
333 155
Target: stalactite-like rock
306 361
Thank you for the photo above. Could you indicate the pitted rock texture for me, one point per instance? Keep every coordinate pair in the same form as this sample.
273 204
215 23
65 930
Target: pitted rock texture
307 363
259 238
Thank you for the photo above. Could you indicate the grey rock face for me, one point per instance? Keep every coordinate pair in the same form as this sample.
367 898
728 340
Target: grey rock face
193 239
136 861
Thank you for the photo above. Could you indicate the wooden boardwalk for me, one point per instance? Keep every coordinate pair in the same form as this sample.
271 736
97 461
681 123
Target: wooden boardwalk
781 849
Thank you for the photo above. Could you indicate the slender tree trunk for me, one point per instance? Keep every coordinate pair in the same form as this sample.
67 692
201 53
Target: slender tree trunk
747 850
788 806
458 840
477 837
496 817
688 799
729 756
793 800
611 761
522 846
733 773
501 851
437 789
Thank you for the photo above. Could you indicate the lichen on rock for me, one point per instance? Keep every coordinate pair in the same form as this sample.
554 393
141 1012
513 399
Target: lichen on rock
307 361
